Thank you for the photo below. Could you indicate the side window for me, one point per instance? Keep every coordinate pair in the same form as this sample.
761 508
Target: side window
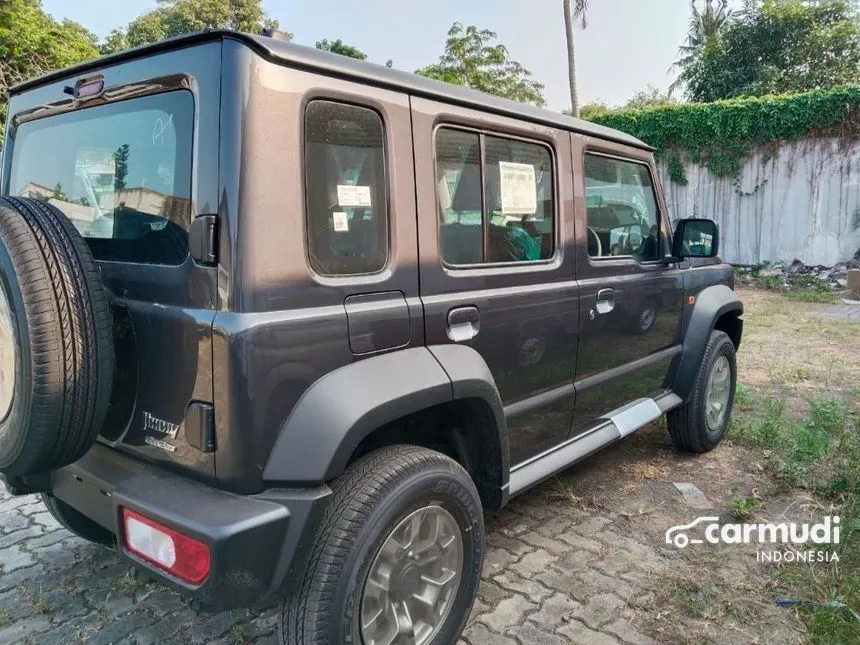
495 199
622 209
345 186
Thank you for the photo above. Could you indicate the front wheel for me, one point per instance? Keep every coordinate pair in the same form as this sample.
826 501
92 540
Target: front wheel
397 558
700 424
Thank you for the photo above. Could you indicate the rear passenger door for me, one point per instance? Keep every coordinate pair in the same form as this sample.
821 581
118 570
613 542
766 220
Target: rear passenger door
630 299
496 261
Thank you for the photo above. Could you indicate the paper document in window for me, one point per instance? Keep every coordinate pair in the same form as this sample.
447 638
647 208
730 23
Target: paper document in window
353 195
519 188
341 223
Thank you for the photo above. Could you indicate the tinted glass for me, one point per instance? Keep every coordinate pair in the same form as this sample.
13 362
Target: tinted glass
699 239
347 208
519 200
622 209
120 172
458 186
512 220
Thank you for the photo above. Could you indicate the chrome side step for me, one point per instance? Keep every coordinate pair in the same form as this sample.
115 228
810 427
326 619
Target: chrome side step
613 426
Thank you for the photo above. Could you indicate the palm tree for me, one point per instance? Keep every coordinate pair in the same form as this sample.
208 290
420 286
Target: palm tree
704 26
574 11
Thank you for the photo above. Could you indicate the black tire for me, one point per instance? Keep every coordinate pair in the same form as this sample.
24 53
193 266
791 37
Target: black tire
62 332
688 425
369 500
76 522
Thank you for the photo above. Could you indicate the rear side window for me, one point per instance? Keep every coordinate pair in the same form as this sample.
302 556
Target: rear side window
121 172
345 184
495 199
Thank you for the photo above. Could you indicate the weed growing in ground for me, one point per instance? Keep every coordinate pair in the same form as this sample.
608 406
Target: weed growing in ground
742 508
820 454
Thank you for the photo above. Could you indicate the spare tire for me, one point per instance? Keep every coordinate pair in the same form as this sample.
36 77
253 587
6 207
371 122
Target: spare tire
56 340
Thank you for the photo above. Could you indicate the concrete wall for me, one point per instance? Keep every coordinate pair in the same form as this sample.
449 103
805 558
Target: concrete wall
800 201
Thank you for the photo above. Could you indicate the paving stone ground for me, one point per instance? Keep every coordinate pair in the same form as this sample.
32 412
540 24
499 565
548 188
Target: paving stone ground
548 578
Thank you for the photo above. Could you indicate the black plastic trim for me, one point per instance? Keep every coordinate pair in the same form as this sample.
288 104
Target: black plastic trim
256 542
203 239
711 303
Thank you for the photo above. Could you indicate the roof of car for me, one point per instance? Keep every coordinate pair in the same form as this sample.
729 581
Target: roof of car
342 66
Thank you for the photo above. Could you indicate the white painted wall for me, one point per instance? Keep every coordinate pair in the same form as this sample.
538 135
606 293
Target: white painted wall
807 205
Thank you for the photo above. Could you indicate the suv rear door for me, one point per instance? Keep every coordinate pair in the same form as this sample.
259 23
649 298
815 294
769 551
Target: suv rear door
496 259
132 167
630 300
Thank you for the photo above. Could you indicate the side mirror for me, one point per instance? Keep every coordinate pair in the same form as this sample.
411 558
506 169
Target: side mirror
696 238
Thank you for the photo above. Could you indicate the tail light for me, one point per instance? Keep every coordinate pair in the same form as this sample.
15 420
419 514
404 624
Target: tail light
177 554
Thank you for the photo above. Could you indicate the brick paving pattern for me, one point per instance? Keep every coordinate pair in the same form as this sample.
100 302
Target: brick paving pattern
548 578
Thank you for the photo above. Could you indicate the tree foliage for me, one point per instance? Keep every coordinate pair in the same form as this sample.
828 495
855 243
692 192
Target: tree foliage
779 46
591 110
648 98
472 59
342 48
176 17
33 43
724 133
705 26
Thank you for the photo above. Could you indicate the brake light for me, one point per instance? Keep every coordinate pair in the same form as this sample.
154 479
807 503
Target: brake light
177 554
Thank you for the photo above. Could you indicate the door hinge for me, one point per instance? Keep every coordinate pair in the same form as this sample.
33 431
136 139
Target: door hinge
200 426
203 239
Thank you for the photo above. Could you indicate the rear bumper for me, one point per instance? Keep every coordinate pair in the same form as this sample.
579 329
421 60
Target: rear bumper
258 543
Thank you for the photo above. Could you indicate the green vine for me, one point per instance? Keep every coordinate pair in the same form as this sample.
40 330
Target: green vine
723 134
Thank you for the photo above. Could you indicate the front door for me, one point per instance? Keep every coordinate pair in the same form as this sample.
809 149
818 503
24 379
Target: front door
496 249
630 300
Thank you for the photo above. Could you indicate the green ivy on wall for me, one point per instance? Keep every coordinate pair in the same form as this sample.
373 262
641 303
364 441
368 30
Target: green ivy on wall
723 134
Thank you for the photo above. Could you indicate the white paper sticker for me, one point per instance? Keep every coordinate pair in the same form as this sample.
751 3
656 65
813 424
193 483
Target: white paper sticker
519 188
341 223
353 195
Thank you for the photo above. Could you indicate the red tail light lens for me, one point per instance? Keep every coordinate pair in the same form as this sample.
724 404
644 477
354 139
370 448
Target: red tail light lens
177 554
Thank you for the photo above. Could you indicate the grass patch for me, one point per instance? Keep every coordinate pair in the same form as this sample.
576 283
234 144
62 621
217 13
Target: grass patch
239 634
820 454
4 617
42 606
812 295
742 508
128 585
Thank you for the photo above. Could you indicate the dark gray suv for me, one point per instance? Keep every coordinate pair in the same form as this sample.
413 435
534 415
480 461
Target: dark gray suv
281 324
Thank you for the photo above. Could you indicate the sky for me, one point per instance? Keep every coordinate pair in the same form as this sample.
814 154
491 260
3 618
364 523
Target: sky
628 44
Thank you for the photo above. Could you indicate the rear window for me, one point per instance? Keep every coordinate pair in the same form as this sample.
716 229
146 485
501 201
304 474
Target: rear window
121 172
347 209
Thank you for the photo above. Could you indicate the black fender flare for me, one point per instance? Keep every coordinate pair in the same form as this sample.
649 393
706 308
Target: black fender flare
711 303
343 407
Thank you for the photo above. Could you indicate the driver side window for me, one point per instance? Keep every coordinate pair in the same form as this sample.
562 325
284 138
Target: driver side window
621 209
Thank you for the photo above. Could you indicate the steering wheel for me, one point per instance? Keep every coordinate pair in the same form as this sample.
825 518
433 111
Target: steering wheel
596 239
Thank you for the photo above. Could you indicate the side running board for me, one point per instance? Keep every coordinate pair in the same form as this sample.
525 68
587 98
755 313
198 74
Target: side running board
612 426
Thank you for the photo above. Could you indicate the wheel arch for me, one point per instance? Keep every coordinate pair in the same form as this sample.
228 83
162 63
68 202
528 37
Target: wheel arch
441 397
716 307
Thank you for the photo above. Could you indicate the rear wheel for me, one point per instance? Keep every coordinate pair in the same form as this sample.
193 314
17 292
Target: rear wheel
398 556
76 522
701 423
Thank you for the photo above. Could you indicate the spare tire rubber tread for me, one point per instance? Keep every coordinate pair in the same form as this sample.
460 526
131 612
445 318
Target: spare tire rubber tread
70 337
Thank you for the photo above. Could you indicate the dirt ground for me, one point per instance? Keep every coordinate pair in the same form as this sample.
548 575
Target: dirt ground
580 559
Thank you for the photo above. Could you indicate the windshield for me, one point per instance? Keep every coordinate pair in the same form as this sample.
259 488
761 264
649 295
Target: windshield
120 172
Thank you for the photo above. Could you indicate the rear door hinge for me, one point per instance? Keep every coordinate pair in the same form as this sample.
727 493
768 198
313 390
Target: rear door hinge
203 239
